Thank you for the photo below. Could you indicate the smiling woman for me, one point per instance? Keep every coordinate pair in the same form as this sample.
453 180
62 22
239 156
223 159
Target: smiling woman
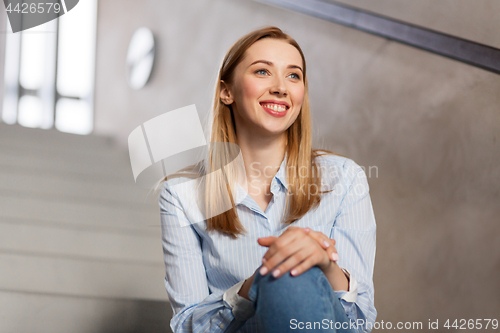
320 244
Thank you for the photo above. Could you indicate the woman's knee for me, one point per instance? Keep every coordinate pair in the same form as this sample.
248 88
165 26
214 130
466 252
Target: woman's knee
303 283
307 297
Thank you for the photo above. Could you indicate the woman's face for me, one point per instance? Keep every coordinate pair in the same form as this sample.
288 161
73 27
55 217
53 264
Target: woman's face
268 88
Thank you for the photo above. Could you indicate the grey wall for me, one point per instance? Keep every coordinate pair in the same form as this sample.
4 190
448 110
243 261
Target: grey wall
428 124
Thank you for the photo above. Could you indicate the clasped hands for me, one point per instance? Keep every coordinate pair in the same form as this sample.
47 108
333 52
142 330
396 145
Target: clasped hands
297 250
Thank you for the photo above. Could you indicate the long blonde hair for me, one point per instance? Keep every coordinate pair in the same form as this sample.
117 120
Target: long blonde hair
300 155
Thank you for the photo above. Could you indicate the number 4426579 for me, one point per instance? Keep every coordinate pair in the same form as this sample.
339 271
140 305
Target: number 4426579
32 8
464 324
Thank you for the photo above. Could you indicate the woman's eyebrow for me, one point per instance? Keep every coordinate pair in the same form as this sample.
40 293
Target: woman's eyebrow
295 66
270 64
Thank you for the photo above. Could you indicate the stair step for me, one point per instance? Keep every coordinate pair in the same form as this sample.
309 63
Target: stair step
88 278
19 136
48 313
74 166
50 240
77 187
105 154
90 215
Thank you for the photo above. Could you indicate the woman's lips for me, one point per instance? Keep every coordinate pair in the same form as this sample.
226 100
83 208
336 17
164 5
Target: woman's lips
274 113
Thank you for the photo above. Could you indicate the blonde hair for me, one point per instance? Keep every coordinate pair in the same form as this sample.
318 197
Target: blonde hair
300 155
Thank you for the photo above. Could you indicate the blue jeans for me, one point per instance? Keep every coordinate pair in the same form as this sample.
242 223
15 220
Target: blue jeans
289 303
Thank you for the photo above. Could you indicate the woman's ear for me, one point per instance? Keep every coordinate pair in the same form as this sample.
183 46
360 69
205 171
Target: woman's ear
225 94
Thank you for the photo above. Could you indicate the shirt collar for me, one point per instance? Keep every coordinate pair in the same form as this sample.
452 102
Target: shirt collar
280 176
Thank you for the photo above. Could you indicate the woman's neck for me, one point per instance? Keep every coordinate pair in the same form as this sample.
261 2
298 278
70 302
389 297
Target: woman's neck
262 157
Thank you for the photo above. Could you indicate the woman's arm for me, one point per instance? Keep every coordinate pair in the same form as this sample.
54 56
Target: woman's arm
245 288
354 231
194 308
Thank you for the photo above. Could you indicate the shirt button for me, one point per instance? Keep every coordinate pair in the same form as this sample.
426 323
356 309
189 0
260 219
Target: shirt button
222 325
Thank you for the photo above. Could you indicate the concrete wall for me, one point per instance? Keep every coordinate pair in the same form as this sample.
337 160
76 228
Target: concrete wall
429 124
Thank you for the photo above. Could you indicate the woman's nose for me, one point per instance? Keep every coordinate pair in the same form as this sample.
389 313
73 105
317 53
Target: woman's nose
279 87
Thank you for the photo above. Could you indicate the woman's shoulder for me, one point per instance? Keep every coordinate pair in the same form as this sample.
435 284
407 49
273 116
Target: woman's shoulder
325 158
182 189
180 182
337 169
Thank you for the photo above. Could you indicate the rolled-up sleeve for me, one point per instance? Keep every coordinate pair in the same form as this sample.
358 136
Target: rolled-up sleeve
243 308
195 308
354 231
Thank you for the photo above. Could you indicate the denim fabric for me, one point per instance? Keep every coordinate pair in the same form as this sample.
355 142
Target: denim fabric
289 303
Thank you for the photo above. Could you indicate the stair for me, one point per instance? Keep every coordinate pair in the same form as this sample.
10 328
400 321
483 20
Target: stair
80 242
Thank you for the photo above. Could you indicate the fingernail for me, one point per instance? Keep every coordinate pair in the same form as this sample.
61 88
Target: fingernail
276 273
327 243
306 229
293 272
264 260
263 270
335 256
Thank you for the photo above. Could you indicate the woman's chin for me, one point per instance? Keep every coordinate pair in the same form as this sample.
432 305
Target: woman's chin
274 130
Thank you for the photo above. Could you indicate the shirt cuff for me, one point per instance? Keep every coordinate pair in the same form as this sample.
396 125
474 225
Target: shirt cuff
242 308
351 295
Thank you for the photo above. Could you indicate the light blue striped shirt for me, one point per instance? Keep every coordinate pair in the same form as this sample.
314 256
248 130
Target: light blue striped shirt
202 267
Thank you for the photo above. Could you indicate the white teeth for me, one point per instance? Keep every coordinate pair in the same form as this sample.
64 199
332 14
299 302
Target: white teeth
275 107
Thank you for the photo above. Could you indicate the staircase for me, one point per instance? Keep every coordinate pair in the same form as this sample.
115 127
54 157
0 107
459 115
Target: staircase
80 242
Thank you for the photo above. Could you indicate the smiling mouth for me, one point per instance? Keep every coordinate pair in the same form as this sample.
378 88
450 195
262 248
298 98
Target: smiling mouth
275 107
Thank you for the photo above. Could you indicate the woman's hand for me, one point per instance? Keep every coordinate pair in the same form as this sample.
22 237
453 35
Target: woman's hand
326 243
338 279
297 250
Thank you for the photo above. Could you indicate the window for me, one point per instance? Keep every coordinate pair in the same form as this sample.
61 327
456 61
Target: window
49 72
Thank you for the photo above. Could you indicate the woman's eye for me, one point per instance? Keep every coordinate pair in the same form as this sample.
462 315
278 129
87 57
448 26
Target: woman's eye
261 71
296 76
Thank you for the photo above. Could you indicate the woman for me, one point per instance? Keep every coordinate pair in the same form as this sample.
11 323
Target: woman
269 263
